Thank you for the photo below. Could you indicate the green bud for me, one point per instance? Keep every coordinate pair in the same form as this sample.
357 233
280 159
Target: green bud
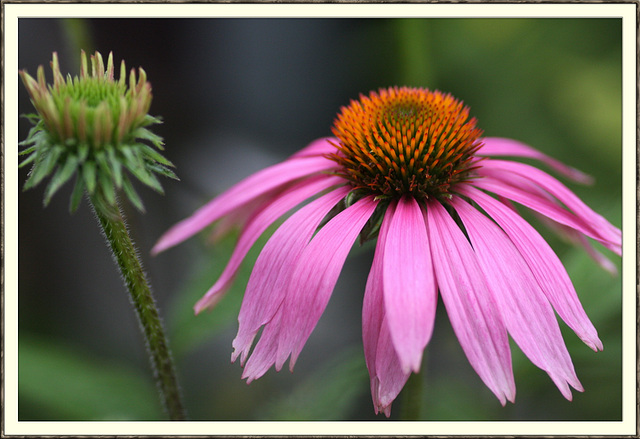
94 127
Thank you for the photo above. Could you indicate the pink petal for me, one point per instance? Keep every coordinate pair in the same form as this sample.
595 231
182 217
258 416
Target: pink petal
578 238
256 185
315 276
260 221
320 147
507 147
373 302
600 259
542 205
387 377
544 264
264 354
390 375
410 295
526 311
561 192
268 282
473 315
235 220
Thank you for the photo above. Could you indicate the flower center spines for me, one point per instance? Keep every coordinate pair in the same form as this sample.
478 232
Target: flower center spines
406 141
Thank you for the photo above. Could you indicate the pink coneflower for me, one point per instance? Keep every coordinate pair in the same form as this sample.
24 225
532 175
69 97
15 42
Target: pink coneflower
408 166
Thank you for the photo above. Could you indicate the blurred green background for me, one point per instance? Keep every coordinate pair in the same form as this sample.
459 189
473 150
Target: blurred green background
237 95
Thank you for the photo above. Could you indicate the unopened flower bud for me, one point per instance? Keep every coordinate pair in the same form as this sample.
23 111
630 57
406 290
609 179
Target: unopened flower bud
93 126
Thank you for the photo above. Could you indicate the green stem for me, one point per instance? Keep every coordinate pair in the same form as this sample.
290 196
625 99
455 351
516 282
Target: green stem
77 33
413 48
125 254
412 397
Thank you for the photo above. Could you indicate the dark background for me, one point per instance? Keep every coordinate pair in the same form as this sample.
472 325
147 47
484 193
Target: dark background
237 95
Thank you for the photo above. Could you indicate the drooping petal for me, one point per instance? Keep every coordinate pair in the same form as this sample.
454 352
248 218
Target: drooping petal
544 264
561 192
315 276
600 259
390 375
473 315
564 231
373 302
493 146
524 308
264 354
386 374
542 205
257 225
578 238
269 279
410 296
320 147
240 215
256 185
235 220
508 186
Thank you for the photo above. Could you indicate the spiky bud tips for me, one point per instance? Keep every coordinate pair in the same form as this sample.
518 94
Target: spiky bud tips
95 127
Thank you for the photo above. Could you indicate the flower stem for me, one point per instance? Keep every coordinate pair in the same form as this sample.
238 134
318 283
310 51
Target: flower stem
411 408
413 48
125 254
78 34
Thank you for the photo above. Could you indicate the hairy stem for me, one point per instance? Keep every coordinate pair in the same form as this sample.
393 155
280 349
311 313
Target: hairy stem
125 254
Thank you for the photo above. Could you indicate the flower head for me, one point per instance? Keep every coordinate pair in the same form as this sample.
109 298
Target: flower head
409 166
92 125
404 141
